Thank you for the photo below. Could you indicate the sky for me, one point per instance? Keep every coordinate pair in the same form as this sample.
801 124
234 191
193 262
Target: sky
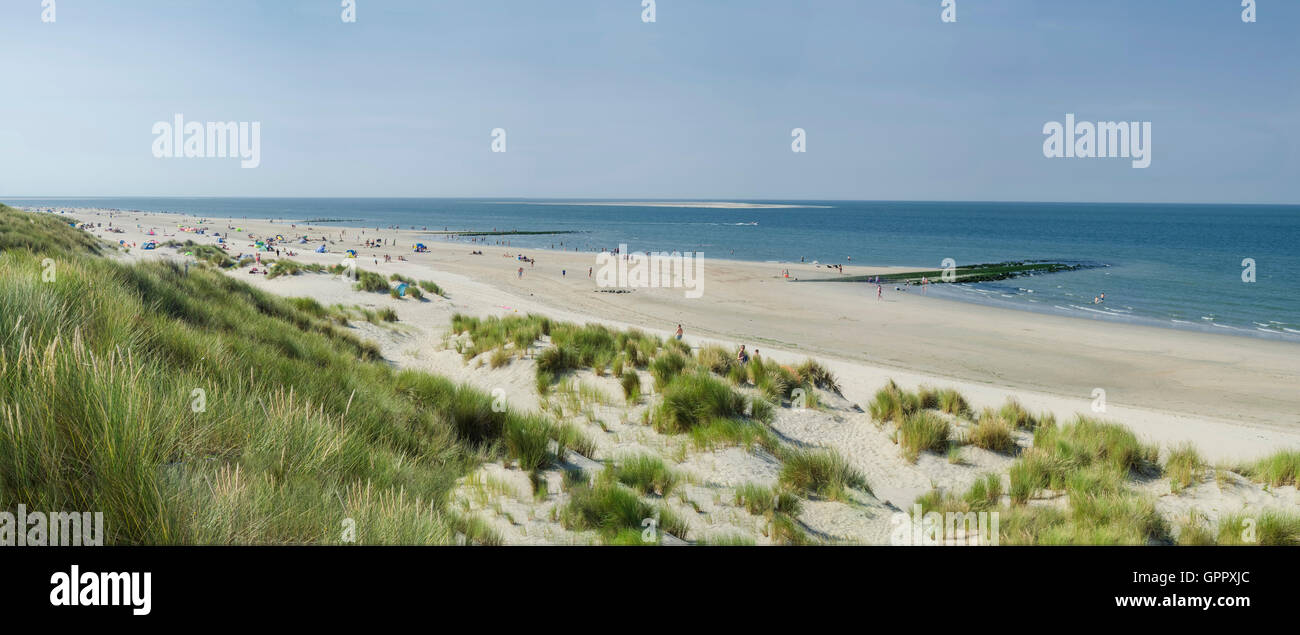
699 104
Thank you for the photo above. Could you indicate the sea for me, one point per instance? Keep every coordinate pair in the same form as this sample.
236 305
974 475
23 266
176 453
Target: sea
1227 269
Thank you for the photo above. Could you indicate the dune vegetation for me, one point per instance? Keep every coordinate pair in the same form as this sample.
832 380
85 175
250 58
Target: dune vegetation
1093 467
192 408
189 407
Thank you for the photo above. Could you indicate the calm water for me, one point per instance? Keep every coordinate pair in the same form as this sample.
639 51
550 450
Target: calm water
1172 265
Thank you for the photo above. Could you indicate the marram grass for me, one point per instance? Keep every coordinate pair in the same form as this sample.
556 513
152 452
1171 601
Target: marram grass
189 407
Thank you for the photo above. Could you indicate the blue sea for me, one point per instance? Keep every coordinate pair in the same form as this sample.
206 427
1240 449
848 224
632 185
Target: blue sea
1171 265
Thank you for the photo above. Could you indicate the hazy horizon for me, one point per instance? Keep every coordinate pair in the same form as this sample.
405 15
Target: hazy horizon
578 199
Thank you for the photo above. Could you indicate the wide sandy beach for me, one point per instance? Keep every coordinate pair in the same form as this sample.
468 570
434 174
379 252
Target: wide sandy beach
1236 398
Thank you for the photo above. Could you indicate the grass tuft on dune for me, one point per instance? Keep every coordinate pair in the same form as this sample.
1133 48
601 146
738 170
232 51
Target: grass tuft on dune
822 473
618 515
1282 468
189 408
893 404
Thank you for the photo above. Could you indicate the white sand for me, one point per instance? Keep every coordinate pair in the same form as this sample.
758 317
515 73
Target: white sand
1233 397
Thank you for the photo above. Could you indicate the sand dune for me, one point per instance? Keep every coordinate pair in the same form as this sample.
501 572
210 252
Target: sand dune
1234 396
1227 395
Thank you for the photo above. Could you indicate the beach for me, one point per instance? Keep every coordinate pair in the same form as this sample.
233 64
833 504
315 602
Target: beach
792 442
1234 397
734 275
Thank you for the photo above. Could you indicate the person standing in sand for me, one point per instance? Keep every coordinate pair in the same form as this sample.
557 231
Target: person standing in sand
679 332
880 292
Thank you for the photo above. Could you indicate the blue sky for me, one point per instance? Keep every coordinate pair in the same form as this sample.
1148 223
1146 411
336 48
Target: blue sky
699 104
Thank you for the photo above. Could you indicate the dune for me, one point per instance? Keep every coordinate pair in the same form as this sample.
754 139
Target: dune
1230 397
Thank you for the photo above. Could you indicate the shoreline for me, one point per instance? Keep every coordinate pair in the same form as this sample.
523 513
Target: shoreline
1231 395
959 292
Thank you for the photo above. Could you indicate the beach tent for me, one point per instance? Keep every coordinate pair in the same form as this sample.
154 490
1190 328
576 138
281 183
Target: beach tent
153 244
321 249
352 253
401 290
419 248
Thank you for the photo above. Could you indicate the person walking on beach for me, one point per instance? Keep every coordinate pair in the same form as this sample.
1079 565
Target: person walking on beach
925 282
880 292
521 273
679 332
